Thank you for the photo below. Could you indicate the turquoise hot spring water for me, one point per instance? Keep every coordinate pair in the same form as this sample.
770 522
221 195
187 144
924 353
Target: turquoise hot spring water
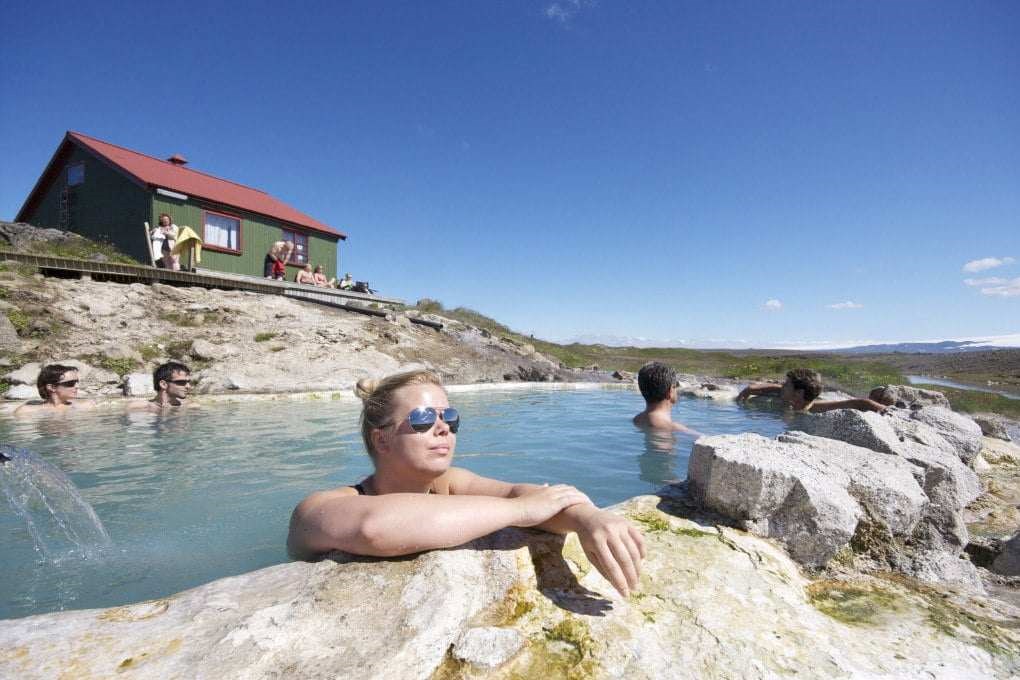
205 493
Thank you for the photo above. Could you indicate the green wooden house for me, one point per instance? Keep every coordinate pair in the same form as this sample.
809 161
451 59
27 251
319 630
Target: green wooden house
108 193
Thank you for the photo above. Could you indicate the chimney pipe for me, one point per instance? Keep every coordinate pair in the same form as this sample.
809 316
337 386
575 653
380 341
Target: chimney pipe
178 159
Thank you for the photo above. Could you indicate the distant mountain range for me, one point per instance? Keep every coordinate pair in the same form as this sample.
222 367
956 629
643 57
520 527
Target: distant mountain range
944 347
973 344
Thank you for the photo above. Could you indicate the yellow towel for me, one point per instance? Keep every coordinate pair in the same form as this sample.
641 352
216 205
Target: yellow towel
187 238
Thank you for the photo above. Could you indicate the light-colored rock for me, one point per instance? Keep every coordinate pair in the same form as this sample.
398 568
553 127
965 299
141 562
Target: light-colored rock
992 426
712 604
905 396
488 646
120 351
809 492
210 351
8 333
138 385
916 441
959 430
91 376
21 392
709 391
99 307
1008 561
26 375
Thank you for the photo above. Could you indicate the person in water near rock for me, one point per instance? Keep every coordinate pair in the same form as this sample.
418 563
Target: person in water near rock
58 389
659 387
800 392
172 382
415 500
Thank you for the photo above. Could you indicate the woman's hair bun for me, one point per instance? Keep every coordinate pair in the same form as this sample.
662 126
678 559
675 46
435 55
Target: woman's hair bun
365 388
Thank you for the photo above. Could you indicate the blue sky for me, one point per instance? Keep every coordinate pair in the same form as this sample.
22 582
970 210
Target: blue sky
655 169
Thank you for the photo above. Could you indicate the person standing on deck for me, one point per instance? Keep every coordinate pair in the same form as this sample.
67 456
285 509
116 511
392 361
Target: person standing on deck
275 266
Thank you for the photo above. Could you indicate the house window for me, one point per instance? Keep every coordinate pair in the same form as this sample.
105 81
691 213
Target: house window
300 255
75 174
222 231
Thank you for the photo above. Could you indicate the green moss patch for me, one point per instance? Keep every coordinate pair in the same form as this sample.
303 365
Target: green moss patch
19 320
949 619
119 366
851 604
652 522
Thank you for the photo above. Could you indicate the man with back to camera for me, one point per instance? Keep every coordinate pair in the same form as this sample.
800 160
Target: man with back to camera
800 392
658 385
172 382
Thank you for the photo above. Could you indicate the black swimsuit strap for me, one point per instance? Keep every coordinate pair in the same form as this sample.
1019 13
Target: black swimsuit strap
360 489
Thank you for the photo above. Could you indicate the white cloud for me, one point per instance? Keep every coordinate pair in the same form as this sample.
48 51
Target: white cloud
565 10
773 305
984 263
846 305
1002 288
988 281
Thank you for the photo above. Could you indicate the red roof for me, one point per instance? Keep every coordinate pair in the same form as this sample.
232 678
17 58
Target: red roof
160 173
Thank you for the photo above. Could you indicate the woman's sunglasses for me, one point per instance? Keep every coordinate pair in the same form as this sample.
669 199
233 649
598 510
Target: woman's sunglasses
423 418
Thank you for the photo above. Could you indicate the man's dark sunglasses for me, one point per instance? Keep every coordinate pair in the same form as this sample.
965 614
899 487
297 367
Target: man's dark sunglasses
182 382
422 418
68 383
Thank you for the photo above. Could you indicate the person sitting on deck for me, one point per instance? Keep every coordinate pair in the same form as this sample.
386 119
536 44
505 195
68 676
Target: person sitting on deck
305 276
320 280
800 392
415 500
275 264
172 382
659 387
346 283
58 389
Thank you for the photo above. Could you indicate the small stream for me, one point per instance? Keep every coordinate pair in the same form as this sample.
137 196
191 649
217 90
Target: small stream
924 379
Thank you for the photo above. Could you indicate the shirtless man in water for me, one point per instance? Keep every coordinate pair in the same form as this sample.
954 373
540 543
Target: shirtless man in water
172 382
275 265
58 388
800 392
658 385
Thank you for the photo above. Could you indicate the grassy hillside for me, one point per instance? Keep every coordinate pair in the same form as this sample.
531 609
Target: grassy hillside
970 401
857 375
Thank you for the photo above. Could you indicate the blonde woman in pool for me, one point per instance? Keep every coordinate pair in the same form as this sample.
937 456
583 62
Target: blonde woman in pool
415 500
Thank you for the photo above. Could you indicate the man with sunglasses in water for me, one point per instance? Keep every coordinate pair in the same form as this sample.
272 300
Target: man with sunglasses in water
58 388
172 382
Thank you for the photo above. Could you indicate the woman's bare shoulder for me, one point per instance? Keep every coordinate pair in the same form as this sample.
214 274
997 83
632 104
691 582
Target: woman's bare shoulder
318 497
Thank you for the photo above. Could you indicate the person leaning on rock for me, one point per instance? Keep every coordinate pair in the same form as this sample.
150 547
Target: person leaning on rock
415 500
800 392
659 387
172 382
58 389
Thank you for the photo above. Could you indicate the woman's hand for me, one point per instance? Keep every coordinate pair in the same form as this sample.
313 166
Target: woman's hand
615 547
548 501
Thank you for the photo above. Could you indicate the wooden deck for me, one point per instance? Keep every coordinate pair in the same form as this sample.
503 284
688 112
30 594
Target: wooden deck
362 303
